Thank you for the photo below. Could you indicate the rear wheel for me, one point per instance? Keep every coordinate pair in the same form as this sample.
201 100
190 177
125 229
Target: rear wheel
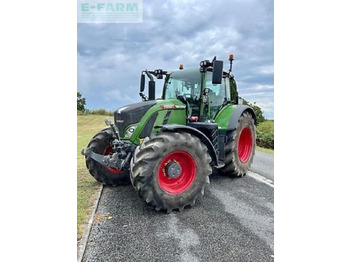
101 144
240 147
170 170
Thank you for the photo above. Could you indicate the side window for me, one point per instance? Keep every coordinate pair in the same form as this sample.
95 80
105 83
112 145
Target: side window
170 90
214 89
233 89
219 92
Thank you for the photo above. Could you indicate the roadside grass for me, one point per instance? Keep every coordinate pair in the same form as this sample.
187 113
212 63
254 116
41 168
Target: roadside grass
265 150
87 186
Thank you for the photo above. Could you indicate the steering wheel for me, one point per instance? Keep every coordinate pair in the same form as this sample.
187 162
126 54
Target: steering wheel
187 96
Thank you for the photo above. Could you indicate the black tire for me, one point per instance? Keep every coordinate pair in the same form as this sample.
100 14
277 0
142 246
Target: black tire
233 164
99 144
147 172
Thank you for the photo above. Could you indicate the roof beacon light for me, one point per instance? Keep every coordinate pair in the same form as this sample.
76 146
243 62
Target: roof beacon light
181 66
230 58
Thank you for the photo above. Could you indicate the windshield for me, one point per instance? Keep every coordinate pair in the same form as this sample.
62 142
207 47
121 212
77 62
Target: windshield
186 83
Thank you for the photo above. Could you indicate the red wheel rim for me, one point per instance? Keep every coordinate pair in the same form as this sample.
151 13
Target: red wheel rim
186 177
245 143
114 170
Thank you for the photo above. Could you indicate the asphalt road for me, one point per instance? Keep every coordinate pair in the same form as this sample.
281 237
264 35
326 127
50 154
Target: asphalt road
232 222
263 165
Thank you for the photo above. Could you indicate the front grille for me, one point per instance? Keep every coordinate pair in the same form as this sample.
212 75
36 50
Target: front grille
131 114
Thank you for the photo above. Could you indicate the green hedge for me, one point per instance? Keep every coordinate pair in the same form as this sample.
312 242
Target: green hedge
266 126
265 140
265 134
101 112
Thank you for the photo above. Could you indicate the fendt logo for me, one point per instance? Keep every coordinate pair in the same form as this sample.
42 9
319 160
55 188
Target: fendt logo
110 11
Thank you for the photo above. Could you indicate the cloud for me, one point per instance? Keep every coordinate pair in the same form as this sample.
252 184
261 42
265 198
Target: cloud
266 70
263 87
112 56
117 95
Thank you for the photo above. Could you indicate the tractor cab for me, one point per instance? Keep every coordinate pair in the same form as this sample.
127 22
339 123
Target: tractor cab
196 89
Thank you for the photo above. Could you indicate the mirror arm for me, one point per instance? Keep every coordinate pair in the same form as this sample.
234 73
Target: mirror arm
149 75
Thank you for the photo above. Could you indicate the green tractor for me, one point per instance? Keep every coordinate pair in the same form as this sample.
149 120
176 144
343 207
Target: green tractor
168 147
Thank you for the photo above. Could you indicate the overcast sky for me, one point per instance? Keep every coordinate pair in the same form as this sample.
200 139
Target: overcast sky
112 56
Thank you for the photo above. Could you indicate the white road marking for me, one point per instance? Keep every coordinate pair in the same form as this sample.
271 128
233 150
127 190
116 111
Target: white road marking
261 179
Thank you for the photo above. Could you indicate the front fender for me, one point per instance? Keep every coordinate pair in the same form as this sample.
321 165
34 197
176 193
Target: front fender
204 139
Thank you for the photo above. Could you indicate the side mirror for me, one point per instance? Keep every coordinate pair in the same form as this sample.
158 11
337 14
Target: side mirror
142 83
218 67
151 90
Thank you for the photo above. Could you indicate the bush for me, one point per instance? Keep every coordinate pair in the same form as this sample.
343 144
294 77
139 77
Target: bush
258 112
101 111
266 127
265 134
265 140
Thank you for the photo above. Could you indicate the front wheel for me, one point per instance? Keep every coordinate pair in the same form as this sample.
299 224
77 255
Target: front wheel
101 144
170 170
240 147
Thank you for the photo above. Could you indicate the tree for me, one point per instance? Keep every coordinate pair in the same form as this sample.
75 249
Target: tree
258 112
80 102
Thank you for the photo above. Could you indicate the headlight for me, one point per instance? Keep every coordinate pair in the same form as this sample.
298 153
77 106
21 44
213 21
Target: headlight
129 131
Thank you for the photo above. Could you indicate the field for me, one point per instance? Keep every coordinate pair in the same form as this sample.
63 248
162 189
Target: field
88 126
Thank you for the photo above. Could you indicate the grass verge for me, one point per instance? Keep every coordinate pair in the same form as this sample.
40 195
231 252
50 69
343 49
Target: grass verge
87 188
265 150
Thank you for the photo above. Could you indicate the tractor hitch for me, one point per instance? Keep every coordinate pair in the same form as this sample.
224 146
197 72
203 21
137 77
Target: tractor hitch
120 159
109 160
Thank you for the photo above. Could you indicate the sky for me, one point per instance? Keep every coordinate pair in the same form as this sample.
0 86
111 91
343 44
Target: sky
111 56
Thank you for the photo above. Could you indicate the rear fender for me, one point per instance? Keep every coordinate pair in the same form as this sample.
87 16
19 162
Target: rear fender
237 114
